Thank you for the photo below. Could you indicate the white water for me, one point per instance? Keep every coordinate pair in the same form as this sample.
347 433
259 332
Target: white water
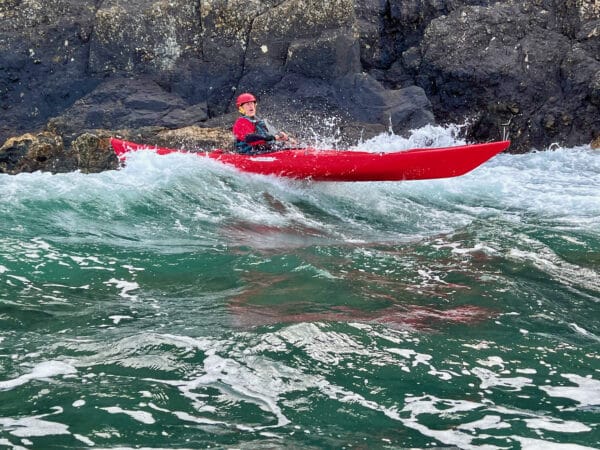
561 185
144 261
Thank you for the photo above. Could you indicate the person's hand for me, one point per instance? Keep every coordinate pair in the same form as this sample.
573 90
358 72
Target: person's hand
282 136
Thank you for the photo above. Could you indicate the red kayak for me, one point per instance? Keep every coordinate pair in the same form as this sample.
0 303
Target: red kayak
345 165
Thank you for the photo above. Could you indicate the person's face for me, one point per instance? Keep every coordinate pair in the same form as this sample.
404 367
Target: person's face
249 109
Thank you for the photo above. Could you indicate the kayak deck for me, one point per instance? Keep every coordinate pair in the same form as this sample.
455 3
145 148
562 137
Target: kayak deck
343 165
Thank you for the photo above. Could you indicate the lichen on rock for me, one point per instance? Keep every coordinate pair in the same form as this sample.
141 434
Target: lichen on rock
32 152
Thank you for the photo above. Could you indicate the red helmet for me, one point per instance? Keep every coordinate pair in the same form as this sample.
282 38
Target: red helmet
244 98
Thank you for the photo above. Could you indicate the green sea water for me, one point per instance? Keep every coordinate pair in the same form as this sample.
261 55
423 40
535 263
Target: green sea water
179 304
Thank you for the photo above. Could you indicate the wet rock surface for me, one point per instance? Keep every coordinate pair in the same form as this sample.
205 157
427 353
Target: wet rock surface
74 72
32 152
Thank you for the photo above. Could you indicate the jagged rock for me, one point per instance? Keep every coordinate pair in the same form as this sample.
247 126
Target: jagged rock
287 27
94 153
44 48
509 53
140 36
127 103
91 152
33 152
400 109
195 138
329 56
226 29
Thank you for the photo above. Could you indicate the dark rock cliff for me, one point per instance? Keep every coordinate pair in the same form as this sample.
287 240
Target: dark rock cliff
71 67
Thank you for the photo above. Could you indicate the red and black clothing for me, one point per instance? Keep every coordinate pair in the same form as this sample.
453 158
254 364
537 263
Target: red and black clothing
252 136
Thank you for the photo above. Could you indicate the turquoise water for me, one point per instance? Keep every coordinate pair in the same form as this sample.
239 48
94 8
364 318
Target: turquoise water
176 303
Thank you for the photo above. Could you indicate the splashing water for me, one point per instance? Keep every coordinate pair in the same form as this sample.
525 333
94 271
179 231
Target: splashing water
177 303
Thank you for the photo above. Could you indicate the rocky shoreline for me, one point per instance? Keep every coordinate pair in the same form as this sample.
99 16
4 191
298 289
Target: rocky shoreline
74 72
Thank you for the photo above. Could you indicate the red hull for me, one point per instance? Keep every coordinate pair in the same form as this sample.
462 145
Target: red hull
336 165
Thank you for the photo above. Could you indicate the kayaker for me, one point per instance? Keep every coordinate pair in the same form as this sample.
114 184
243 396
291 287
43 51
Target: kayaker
251 133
